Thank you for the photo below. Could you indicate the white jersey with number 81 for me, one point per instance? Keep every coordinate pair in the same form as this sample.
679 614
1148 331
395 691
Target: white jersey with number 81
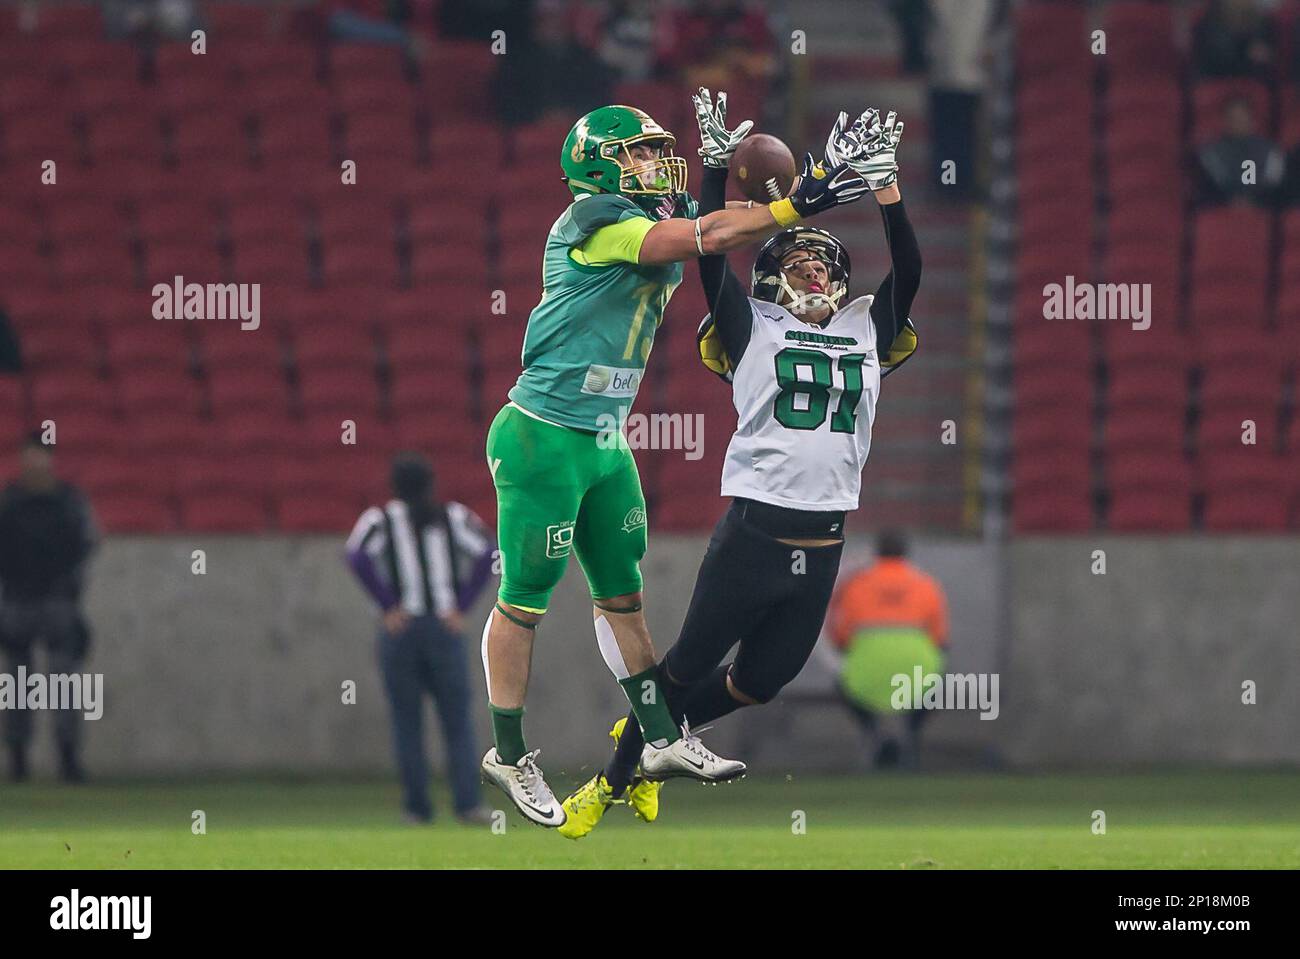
805 398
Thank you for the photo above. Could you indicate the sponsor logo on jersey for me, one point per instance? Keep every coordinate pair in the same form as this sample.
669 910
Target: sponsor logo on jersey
559 540
612 380
634 519
804 336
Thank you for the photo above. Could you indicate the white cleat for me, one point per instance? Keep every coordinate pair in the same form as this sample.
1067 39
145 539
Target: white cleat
688 758
524 784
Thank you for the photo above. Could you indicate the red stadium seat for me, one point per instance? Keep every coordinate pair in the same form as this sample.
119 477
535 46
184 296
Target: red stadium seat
334 345
241 389
1066 386
270 262
108 473
246 23
13 395
1131 385
162 433
415 349
1052 433
39 136
1225 429
430 390
143 392
1245 491
449 263
260 59
224 346
1053 510
1145 427
1160 346
349 393
1150 490
361 259
1140 41
90 429
432 428
303 133
1258 384
223 512
262 218
1059 46
314 510
203 473
126 511
92 57
200 139
458 77
256 431
67 391
1231 242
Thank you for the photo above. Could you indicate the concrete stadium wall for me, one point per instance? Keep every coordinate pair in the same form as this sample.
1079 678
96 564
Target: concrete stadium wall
1145 664
241 668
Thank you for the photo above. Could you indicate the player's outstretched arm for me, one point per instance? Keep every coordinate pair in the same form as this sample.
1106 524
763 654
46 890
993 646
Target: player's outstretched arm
729 307
870 148
892 306
818 189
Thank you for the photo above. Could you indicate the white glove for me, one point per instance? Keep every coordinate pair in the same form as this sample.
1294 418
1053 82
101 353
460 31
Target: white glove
717 143
869 146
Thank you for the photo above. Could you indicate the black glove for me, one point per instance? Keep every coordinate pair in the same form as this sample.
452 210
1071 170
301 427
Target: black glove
820 189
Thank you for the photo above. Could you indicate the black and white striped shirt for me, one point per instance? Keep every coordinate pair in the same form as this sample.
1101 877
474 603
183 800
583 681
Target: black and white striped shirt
430 571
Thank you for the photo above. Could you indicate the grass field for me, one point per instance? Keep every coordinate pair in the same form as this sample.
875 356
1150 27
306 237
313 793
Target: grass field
1165 820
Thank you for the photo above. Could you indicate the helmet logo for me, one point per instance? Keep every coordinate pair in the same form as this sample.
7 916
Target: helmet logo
579 148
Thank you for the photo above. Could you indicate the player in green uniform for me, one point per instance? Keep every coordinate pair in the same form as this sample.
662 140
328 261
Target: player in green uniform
565 480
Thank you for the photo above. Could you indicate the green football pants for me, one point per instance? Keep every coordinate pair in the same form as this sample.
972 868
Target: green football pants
561 490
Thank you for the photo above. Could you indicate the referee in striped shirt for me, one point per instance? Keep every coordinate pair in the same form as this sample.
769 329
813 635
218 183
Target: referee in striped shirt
424 562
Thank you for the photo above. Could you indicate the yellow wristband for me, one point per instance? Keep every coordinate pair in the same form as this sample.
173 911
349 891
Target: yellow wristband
784 213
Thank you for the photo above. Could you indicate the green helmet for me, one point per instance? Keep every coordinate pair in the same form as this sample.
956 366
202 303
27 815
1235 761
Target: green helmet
596 157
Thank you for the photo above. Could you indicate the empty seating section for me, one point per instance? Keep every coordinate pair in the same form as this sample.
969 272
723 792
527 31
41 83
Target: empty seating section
1186 424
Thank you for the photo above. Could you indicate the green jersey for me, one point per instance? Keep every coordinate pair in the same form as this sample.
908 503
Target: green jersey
588 340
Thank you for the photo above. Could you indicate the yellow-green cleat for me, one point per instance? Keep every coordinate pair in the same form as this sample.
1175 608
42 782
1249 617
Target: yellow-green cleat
585 807
642 794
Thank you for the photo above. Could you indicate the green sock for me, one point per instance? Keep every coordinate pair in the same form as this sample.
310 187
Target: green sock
508 733
646 696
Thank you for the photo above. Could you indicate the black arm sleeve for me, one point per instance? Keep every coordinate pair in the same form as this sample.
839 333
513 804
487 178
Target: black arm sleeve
728 303
893 302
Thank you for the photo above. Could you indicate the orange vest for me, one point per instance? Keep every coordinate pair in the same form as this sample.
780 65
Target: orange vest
892 592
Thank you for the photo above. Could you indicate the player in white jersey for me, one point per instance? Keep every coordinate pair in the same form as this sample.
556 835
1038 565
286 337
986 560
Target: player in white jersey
805 363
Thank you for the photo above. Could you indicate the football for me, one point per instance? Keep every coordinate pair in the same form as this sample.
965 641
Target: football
763 167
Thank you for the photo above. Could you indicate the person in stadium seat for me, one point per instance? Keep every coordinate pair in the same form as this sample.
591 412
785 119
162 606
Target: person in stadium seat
1220 163
424 561
47 534
716 44
576 80
887 619
1234 38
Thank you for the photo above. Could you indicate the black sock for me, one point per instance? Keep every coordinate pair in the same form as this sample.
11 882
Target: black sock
709 699
622 767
